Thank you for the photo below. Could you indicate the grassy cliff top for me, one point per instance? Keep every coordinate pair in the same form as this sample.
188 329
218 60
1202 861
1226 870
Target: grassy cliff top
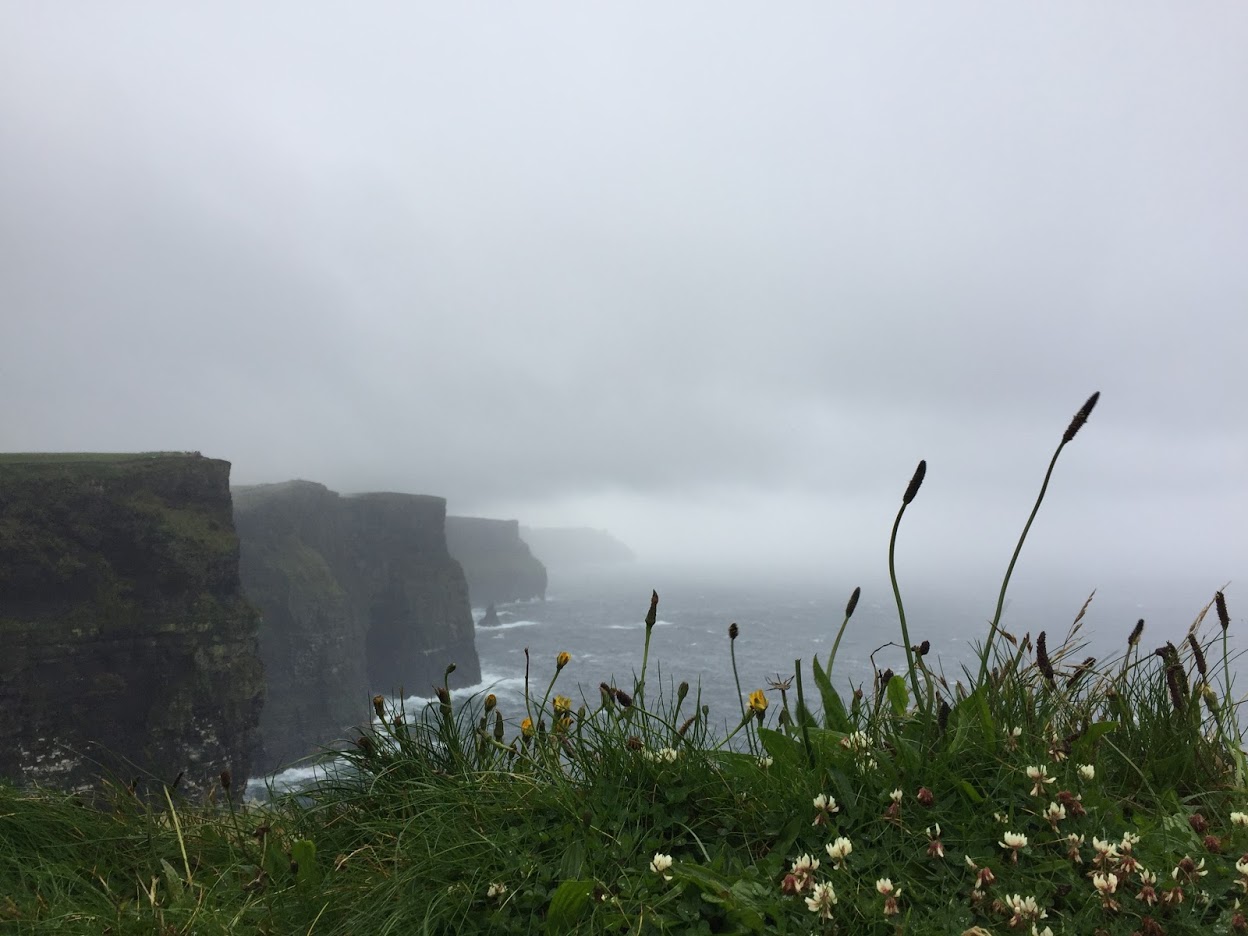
57 458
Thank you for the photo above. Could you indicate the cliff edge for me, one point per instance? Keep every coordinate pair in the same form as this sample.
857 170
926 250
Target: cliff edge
497 563
128 645
358 595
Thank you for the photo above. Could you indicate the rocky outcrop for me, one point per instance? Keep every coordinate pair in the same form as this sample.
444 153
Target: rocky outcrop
497 562
358 595
490 618
575 547
128 647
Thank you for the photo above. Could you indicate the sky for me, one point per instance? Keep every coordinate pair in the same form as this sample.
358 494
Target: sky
713 276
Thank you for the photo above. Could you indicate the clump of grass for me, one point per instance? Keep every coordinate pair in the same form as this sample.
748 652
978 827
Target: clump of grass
1056 792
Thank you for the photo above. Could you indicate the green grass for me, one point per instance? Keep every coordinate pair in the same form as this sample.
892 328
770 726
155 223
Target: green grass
983 803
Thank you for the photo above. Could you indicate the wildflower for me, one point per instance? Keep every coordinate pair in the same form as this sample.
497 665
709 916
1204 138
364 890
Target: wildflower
925 796
838 851
890 894
805 864
562 660
801 874
1072 848
825 806
758 702
633 743
1024 909
856 741
1148 887
660 864
1039 777
526 727
896 795
1188 871
733 630
1239 818
766 761
1105 883
491 701
1198 823
563 724
1055 814
821 900
496 890
1087 772
379 706
935 847
562 705
1072 802
1014 842
665 755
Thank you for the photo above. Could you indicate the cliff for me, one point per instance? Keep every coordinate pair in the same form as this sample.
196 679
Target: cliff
128 645
497 562
358 596
575 547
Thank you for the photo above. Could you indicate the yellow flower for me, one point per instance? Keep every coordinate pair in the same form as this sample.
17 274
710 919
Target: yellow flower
562 660
563 705
758 701
563 724
491 700
526 727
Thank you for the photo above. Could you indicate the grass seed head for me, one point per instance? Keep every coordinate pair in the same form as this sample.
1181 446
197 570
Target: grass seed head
1136 633
653 614
1198 655
1224 619
1081 417
915 482
853 602
1042 659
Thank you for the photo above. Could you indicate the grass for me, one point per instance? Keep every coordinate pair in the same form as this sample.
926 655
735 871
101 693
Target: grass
1044 791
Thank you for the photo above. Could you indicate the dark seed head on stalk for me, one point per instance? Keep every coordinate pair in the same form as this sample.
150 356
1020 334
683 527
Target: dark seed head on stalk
498 726
922 649
681 691
1079 671
886 676
1176 681
1224 619
853 602
653 614
915 482
1042 659
733 630
623 698
1198 655
1135 633
1081 417
684 728
942 715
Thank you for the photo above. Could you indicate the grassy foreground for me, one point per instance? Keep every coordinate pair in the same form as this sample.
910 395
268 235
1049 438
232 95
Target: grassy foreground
1043 792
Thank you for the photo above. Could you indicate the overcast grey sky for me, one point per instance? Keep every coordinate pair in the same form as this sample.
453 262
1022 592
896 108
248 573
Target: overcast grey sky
713 275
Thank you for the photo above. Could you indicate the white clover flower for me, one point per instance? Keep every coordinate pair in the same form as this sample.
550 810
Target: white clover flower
839 850
1017 732
856 741
1104 848
870 764
1148 877
885 887
766 761
660 864
1239 818
825 806
1013 840
896 795
1241 866
1105 884
1025 909
497 889
1055 813
805 865
821 900
1087 771
1039 777
1047 931
1128 840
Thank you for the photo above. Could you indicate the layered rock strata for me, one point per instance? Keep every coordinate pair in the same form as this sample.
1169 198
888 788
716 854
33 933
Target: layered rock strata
498 564
129 648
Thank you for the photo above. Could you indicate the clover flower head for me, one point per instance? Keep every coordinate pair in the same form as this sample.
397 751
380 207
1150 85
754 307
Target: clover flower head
825 806
1013 842
1239 818
1189 871
1055 813
660 864
766 761
496 890
1039 775
1103 848
896 795
821 900
935 847
885 887
839 850
1087 771
1024 909
1105 883
1129 839
805 864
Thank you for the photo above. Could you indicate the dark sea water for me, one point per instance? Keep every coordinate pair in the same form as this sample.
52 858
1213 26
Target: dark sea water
599 619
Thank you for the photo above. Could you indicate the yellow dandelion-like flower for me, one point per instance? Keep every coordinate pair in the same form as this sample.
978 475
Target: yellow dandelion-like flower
562 704
526 727
562 660
758 701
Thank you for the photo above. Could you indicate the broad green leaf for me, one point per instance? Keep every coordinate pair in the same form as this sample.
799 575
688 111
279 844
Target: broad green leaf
567 905
898 695
303 853
834 715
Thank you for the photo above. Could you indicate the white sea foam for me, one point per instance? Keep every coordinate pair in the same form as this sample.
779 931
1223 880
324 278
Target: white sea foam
507 626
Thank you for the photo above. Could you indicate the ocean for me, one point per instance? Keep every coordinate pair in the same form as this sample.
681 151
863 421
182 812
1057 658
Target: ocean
598 618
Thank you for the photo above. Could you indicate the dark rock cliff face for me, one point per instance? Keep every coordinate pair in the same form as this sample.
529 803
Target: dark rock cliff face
128 647
358 595
496 561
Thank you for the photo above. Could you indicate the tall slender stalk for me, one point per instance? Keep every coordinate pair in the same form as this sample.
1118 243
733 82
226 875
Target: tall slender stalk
652 615
1076 424
911 490
849 612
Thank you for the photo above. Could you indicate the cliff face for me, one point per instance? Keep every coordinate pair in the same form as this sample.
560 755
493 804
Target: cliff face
358 595
128 644
497 562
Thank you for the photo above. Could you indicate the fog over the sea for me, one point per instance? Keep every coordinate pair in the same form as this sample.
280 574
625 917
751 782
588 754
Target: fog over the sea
714 276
